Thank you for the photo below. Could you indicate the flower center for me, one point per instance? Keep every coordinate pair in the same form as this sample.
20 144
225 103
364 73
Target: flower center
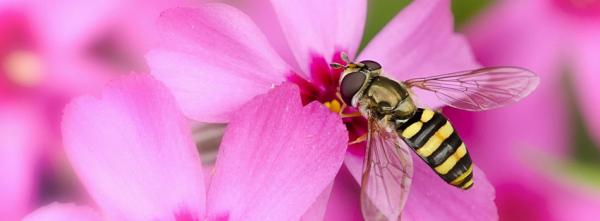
23 68
323 87
580 8
20 65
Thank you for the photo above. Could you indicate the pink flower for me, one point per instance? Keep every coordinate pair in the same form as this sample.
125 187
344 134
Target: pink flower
70 46
133 151
20 122
215 58
49 52
547 37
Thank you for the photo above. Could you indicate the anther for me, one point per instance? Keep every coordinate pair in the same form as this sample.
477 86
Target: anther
360 139
334 106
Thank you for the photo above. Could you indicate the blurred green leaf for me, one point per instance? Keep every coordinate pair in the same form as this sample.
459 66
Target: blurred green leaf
464 10
583 173
564 169
582 165
583 148
379 13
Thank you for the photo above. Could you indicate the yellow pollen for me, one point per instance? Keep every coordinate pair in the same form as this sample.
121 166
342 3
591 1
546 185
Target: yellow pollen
334 106
24 68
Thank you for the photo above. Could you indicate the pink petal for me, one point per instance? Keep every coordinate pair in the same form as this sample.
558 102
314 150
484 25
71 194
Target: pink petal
319 207
520 200
66 31
344 202
354 161
521 37
539 193
63 212
133 151
431 198
418 42
586 78
263 14
321 27
276 158
68 24
20 133
573 203
74 25
491 136
211 52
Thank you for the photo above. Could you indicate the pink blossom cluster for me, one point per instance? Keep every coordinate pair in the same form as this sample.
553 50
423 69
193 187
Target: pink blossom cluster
100 102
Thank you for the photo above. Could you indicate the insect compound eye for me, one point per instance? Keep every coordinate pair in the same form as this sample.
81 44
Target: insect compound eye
350 85
371 65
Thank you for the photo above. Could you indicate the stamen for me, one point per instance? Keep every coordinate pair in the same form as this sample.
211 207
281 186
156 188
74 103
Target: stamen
351 115
334 106
360 139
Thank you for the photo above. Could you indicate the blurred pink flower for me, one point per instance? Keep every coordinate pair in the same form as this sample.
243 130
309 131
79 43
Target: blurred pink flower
133 150
49 52
541 198
215 58
547 37
18 151
72 46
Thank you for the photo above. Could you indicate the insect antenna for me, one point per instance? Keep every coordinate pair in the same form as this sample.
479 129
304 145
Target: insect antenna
336 65
349 63
345 58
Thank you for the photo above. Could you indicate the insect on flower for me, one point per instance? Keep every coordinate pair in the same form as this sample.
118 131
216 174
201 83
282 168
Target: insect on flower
396 123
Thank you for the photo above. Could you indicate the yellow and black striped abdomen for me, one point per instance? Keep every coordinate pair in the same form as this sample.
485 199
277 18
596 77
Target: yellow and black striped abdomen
433 138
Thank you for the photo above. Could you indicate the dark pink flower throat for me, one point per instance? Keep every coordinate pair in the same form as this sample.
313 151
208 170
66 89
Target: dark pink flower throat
323 87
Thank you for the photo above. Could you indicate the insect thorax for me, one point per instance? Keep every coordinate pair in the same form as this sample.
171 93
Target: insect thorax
386 98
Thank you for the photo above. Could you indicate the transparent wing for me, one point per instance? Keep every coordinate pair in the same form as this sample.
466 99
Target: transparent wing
387 175
480 89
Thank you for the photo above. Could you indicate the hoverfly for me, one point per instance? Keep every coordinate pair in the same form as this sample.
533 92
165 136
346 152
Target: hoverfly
396 125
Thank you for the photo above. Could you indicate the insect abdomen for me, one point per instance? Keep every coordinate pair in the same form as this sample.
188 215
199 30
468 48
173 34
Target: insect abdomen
433 138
